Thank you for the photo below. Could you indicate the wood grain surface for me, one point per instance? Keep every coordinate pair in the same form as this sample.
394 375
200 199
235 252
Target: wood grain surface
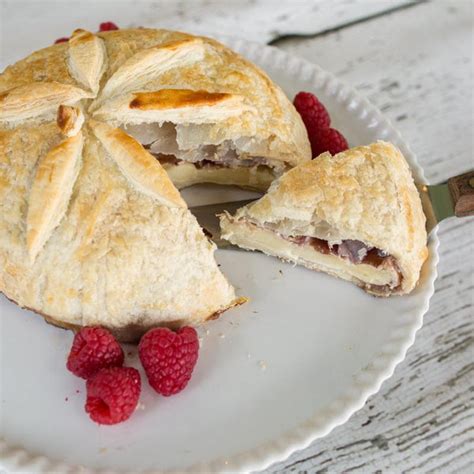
415 62
416 65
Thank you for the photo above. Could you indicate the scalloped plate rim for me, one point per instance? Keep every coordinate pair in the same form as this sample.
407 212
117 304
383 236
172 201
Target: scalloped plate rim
262 457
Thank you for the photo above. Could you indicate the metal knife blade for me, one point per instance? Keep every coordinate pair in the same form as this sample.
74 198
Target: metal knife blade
208 220
436 200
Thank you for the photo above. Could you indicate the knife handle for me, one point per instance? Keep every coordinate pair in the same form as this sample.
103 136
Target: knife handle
462 191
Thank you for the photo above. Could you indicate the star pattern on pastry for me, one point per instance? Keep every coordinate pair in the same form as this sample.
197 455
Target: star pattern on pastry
99 106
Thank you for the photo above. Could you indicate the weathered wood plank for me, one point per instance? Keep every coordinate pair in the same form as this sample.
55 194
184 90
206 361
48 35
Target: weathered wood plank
417 66
256 20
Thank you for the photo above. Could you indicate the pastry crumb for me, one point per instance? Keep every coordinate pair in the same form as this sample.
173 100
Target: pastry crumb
140 406
278 277
222 335
262 364
208 332
102 450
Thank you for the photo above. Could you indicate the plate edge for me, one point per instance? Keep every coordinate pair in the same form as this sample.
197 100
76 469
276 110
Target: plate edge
15 458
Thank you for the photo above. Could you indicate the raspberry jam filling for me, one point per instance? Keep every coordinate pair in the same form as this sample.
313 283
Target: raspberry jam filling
209 164
353 250
357 253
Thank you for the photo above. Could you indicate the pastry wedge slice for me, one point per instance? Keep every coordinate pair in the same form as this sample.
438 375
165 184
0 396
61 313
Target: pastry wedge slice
356 215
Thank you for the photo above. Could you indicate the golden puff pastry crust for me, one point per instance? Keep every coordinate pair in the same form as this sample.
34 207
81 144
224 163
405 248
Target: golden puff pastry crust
364 194
92 229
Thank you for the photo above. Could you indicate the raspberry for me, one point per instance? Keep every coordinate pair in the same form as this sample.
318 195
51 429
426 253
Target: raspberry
169 358
108 26
93 348
329 140
112 394
314 114
61 40
317 121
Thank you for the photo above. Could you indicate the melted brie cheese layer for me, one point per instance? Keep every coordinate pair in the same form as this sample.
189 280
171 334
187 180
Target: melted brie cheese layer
252 237
187 174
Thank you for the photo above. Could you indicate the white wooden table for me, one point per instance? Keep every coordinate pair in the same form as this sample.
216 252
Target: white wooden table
415 62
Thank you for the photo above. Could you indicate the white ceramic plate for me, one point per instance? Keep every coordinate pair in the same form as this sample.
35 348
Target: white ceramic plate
272 376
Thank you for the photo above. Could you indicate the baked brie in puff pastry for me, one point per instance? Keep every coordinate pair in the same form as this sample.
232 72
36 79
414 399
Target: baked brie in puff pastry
356 215
92 229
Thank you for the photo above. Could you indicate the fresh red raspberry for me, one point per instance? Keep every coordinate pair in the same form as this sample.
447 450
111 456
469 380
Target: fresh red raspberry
61 40
169 358
93 348
108 26
314 114
328 139
112 394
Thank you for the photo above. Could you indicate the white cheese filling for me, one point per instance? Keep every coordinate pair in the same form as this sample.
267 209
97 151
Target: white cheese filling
251 237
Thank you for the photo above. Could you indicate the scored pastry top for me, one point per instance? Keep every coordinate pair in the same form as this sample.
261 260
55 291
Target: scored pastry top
100 81
79 195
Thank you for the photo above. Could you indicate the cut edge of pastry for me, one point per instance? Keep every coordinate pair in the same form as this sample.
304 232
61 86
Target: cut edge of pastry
178 115
384 280
213 152
141 169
